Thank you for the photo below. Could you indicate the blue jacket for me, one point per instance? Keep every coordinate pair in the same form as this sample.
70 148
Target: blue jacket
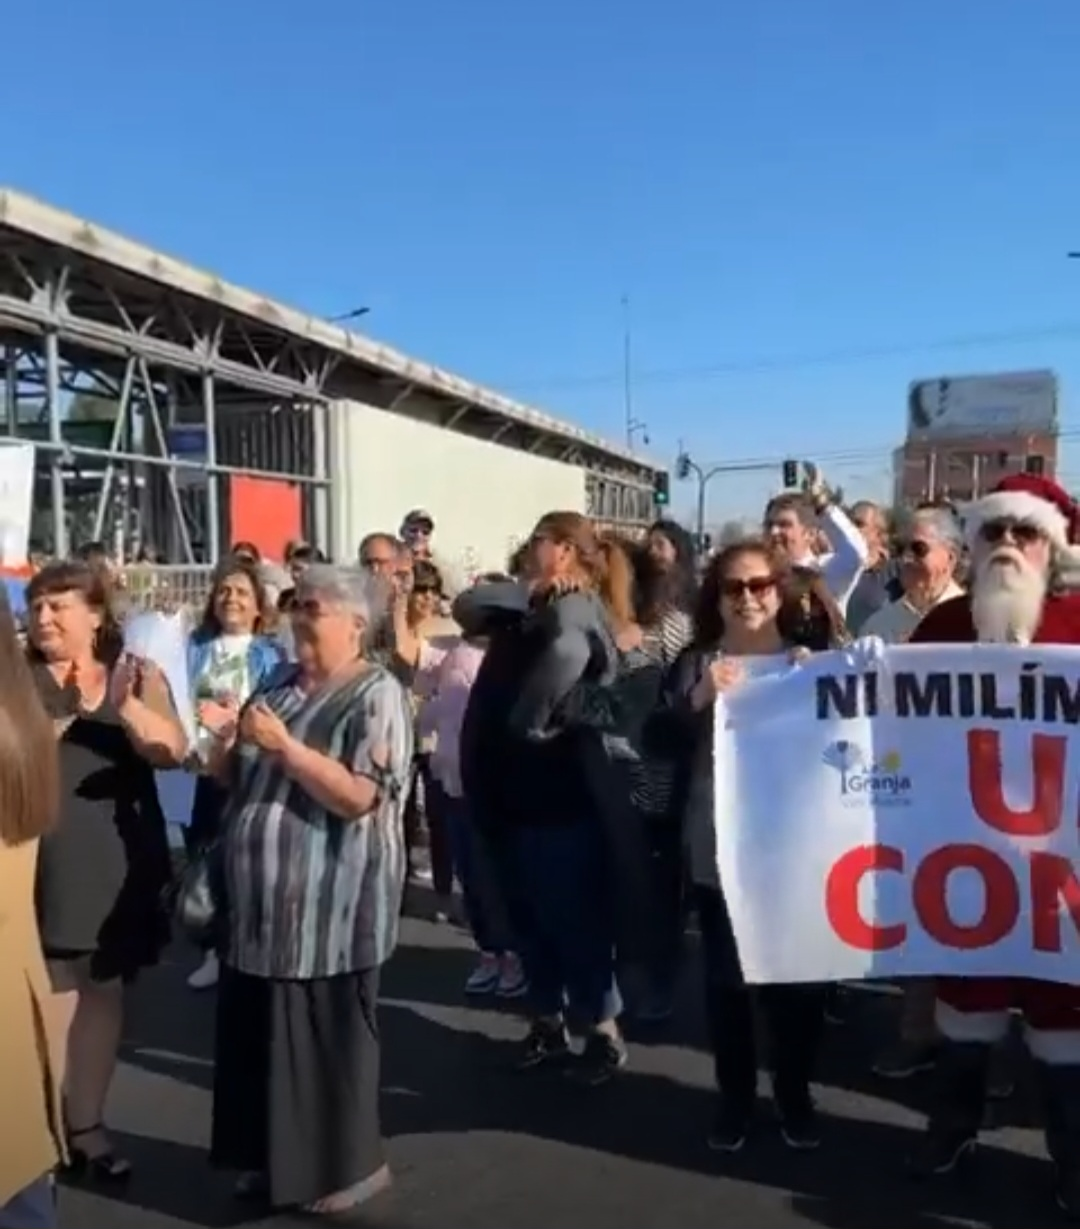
265 654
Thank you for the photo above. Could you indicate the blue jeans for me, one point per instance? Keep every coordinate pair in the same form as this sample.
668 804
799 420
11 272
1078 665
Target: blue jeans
34 1207
568 948
482 887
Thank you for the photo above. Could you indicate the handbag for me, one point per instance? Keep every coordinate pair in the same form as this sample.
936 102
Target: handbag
199 908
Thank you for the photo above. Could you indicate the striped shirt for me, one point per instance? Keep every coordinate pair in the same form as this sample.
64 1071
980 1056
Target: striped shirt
652 781
311 894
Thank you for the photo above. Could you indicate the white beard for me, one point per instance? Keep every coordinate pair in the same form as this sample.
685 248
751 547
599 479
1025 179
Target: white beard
1007 597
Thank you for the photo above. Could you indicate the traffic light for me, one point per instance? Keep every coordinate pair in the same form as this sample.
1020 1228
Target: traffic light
791 474
1034 464
662 490
682 466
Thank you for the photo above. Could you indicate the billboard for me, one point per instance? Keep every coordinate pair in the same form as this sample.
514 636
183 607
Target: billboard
1013 403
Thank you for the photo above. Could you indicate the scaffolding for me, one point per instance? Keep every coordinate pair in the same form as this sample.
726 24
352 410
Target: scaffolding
147 386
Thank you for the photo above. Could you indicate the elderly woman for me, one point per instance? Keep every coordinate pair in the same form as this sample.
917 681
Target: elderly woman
929 552
312 870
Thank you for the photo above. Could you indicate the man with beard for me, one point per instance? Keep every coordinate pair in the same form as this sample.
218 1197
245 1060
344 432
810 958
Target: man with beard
1024 581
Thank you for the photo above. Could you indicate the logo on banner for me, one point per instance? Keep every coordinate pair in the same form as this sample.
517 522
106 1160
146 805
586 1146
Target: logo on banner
865 781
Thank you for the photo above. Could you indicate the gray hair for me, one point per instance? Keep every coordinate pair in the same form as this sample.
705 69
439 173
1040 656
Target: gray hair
945 527
366 595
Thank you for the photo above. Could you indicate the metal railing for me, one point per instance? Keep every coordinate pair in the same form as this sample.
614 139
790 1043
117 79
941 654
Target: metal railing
165 587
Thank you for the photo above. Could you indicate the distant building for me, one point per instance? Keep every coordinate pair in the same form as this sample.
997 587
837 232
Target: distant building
964 468
966 433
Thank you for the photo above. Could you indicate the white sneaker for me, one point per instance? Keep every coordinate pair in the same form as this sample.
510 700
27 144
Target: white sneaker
512 982
485 977
205 976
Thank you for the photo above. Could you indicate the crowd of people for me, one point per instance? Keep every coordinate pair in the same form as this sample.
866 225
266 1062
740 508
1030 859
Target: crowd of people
543 740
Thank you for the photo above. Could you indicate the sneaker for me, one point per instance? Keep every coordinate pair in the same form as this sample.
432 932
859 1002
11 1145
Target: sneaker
546 1043
206 975
511 980
729 1130
905 1060
942 1150
602 1057
799 1125
485 977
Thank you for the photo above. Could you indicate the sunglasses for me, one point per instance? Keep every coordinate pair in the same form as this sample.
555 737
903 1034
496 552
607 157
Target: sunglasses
756 586
1023 533
917 550
425 589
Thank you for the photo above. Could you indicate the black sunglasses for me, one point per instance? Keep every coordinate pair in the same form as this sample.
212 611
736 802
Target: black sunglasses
916 549
756 586
1023 533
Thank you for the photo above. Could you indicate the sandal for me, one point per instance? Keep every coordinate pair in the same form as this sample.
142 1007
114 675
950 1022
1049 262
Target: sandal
107 1167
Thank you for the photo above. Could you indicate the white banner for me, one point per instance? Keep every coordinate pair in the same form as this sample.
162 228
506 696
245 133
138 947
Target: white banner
913 812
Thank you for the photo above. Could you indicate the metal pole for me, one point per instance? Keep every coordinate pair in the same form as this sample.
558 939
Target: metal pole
115 444
323 530
11 388
628 391
703 482
56 439
213 488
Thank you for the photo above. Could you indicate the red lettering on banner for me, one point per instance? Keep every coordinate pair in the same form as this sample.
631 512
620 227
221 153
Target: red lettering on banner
842 898
1048 753
1001 908
1053 882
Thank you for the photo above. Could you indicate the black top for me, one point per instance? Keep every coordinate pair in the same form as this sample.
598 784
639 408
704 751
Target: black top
102 870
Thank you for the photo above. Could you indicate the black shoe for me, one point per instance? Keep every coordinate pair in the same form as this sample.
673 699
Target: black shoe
1067 1191
799 1125
905 1060
730 1129
546 1043
602 1057
836 1005
942 1151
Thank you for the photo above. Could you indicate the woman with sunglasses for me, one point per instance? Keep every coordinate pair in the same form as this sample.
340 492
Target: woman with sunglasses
421 642
929 552
753 618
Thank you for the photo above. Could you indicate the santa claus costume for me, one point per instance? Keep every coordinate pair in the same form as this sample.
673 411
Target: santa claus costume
1024 590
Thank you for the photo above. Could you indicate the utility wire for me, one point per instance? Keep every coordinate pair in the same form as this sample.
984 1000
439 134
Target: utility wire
781 363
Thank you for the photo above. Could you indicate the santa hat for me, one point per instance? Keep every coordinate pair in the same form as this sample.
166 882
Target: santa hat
1037 501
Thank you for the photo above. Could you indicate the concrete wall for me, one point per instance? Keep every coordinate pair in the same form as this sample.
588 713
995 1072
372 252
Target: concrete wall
484 498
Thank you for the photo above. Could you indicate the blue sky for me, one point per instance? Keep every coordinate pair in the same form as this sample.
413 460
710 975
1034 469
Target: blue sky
806 200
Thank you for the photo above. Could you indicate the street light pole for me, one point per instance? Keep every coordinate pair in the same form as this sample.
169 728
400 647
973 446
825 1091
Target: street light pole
685 465
633 425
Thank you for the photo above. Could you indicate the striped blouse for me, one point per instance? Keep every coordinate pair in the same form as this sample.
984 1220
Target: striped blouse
310 894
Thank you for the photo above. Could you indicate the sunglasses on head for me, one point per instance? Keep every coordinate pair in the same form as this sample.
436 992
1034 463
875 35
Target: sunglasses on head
917 549
756 586
1023 533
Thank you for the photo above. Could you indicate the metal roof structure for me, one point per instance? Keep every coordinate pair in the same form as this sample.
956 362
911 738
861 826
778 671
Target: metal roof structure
335 353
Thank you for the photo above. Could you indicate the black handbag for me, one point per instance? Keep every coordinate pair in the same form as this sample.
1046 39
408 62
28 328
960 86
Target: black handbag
200 898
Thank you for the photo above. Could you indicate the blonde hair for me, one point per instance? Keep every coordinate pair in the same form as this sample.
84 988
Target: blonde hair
617 582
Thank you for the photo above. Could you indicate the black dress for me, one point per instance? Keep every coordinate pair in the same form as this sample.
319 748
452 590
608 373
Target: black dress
103 870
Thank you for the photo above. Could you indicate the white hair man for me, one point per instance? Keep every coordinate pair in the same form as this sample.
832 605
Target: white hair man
928 551
1025 577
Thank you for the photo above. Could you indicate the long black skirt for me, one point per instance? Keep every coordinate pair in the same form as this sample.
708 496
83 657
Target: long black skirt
296 1083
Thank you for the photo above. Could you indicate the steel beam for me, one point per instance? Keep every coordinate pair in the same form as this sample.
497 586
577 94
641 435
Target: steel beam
213 480
37 318
56 443
115 444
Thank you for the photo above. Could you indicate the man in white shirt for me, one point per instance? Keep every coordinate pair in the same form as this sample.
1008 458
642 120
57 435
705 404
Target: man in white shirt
929 554
792 521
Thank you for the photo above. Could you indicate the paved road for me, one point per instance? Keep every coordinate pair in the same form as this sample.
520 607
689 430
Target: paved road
474 1146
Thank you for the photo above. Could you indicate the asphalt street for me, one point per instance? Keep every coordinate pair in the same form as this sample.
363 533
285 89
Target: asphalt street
474 1145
